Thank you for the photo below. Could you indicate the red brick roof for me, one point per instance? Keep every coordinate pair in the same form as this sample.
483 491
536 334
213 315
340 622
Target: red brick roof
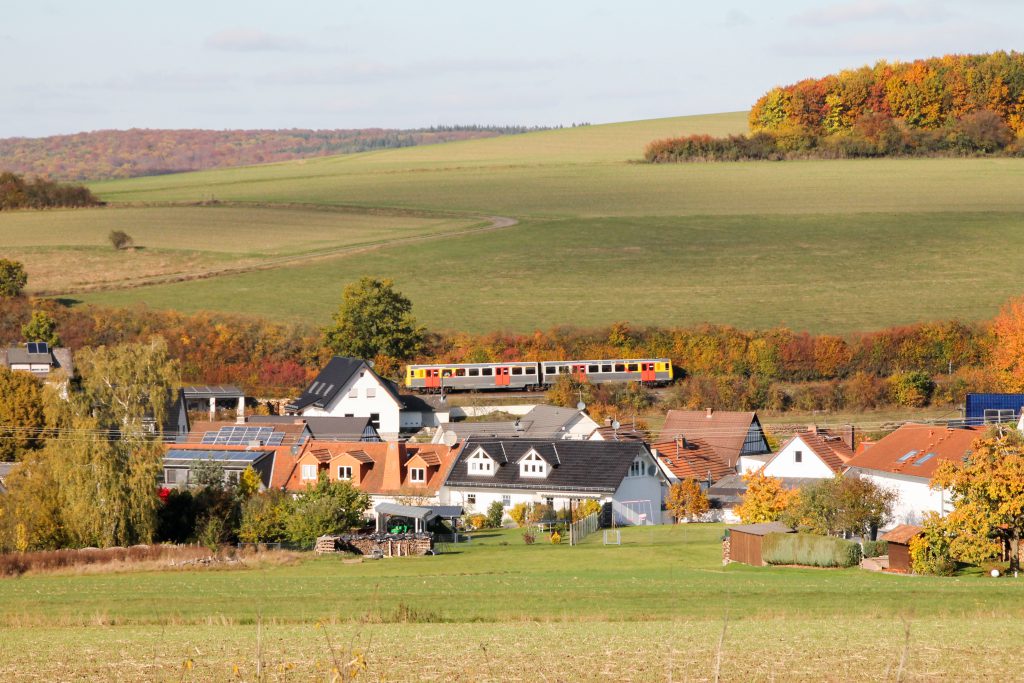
383 467
723 430
829 447
694 460
908 450
901 534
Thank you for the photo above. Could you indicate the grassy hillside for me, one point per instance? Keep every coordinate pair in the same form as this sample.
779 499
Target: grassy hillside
632 612
817 245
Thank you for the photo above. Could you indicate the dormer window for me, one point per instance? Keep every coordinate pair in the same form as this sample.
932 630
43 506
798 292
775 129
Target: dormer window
481 464
417 475
636 468
532 465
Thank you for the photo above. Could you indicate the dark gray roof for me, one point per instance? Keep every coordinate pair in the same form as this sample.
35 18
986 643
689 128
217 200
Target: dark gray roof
332 379
327 428
213 391
597 466
57 358
424 512
729 490
549 419
225 456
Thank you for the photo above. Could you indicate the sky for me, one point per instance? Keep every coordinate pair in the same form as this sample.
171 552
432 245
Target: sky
73 66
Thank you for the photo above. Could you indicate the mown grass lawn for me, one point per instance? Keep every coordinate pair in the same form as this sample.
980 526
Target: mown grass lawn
499 609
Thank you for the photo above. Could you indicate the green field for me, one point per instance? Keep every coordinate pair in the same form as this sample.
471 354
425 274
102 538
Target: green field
652 609
833 246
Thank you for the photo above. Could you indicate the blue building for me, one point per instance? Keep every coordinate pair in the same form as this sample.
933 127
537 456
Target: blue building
991 408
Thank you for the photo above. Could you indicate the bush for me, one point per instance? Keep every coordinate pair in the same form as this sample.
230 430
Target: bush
519 514
528 538
120 239
475 521
874 548
912 389
809 550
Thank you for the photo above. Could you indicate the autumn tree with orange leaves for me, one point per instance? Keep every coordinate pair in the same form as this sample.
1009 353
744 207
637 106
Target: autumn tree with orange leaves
765 499
988 498
1008 351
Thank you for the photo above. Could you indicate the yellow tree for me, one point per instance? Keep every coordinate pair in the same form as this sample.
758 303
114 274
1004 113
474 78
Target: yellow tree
1008 349
687 500
765 499
988 498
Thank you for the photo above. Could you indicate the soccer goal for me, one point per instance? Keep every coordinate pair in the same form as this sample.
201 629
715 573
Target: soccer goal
636 513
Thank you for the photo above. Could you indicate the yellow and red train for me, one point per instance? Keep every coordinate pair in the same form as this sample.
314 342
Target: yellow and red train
529 376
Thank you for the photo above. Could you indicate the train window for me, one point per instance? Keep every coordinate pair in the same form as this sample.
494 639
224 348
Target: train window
620 367
517 370
593 368
446 372
530 370
550 370
564 369
474 372
606 368
487 372
460 372
633 367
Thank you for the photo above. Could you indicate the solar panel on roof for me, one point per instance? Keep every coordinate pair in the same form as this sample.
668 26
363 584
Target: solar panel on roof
242 436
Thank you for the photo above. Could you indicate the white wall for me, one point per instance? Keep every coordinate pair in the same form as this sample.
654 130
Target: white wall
915 496
644 487
580 427
784 463
484 497
752 463
362 405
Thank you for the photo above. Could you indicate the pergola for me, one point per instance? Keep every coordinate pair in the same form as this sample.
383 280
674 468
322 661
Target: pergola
420 514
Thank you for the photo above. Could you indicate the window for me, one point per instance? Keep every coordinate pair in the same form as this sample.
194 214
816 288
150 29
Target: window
330 388
798 456
308 472
517 370
170 476
620 367
312 389
633 367
923 459
506 501
636 468
606 368
375 420
232 476
417 475
344 472
353 393
471 499
563 369
550 502
460 372
532 465
998 415
593 368
371 392
487 372
550 370
531 370
907 456
481 463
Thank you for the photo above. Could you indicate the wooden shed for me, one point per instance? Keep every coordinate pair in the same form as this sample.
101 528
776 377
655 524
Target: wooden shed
898 540
743 542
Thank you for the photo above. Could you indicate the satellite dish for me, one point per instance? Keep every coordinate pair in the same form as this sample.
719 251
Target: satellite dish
450 439
615 424
581 405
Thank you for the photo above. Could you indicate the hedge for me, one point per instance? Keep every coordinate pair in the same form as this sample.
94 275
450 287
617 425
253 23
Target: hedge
875 548
809 550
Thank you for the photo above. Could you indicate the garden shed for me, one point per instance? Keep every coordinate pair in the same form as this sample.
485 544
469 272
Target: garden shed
898 542
743 542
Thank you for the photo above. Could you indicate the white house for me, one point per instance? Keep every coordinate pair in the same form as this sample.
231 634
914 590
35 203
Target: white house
813 454
349 387
905 461
557 472
540 422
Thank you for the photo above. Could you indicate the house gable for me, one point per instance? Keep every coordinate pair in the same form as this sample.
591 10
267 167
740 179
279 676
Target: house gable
481 464
796 459
533 465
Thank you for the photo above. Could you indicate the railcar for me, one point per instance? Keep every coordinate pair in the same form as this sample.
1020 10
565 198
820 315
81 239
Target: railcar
443 378
651 371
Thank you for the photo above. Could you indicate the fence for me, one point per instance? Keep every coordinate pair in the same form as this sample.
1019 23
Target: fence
580 529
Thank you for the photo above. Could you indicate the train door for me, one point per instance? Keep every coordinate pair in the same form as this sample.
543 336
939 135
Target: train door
579 372
502 377
647 372
433 379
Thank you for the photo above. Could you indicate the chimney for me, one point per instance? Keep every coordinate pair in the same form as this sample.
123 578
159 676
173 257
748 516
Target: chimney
608 422
394 460
708 412
813 429
849 436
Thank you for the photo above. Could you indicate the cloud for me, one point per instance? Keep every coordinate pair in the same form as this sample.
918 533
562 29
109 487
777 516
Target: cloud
735 18
252 40
857 11
364 72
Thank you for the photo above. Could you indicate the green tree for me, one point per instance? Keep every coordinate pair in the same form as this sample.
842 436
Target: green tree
264 518
324 508
41 327
374 320
841 505
913 389
12 278
22 415
495 514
